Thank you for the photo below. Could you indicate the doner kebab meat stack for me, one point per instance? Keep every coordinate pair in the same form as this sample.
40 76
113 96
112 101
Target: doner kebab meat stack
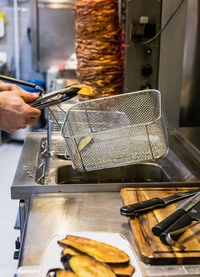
99 60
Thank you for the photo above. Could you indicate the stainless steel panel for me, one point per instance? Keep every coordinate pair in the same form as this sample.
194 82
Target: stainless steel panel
192 135
179 63
190 96
171 59
135 52
127 174
176 55
53 34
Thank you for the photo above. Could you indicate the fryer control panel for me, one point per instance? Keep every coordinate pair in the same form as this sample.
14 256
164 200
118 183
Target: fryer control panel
141 20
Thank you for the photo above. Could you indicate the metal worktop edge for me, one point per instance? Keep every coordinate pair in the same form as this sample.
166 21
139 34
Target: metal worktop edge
24 181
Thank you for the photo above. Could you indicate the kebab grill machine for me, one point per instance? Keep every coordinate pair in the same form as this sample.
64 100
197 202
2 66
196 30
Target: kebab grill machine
69 179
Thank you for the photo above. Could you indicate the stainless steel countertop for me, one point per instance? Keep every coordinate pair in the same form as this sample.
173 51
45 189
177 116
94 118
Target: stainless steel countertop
181 164
53 213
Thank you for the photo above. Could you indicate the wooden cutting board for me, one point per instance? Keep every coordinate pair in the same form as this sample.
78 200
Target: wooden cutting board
151 249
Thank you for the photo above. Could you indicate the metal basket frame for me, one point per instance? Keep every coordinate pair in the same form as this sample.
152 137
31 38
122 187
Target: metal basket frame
84 119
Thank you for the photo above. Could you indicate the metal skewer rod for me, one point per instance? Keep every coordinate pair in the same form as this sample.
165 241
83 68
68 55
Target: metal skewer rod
20 82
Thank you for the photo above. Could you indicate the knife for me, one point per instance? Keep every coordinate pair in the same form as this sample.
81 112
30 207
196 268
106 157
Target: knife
144 206
190 211
165 225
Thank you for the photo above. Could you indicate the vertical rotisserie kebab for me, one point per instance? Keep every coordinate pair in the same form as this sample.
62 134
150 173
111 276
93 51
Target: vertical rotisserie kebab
98 46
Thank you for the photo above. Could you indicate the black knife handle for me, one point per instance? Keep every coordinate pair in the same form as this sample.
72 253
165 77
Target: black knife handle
163 225
182 222
142 206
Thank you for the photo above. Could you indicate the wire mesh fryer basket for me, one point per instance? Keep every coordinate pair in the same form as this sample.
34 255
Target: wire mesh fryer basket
56 142
55 118
116 131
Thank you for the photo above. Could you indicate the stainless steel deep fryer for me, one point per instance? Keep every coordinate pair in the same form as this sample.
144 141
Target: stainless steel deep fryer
116 131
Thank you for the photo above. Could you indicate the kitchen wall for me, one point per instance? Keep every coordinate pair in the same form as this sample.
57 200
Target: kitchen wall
7 43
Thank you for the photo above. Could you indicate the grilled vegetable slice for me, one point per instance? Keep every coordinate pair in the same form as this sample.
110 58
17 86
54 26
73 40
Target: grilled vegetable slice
85 89
84 142
85 266
100 251
65 273
65 261
57 272
123 270
70 251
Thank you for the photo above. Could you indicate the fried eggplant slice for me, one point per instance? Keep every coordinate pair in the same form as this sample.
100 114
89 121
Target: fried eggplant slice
85 266
123 270
84 142
85 89
58 272
67 253
65 261
65 273
70 251
102 252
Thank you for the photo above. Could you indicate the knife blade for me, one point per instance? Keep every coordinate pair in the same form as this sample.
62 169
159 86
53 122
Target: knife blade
143 206
181 210
190 211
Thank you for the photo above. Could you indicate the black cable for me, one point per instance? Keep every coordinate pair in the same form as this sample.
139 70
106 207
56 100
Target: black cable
168 21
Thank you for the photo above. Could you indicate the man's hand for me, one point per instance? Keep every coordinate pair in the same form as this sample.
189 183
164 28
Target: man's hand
15 113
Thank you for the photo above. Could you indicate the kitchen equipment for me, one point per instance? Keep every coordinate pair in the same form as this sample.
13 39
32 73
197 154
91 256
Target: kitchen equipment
181 210
54 97
152 65
179 221
125 129
42 203
169 238
145 206
57 47
151 249
141 20
55 119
